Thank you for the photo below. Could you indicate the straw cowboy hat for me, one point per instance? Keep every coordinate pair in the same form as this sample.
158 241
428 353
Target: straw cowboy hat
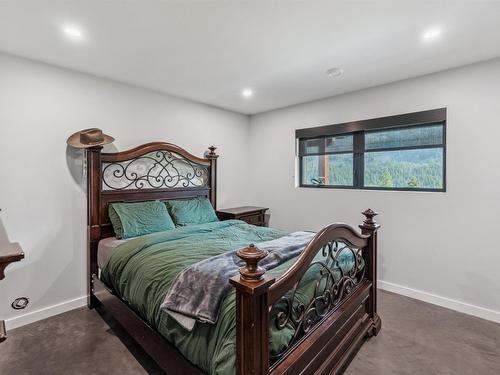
89 138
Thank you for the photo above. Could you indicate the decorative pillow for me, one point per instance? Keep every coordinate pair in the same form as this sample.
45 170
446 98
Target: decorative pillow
115 221
191 211
137 219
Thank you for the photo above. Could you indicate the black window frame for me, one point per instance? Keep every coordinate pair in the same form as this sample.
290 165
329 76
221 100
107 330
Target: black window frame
358 129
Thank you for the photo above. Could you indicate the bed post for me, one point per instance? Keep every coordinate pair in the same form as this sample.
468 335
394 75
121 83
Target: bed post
213 174
93 217
370 227
252 314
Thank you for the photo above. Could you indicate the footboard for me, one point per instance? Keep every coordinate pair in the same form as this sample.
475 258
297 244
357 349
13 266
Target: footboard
326 328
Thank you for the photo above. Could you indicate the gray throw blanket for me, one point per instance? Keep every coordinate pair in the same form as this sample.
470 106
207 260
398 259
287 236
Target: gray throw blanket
197 292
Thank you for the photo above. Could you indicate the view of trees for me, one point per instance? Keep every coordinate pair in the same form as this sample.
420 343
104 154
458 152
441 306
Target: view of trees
421 168
340 167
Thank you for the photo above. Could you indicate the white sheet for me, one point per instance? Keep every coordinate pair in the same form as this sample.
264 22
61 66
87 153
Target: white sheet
105 249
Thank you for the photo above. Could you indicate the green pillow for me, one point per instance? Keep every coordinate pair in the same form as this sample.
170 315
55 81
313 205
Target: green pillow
137 219
115 221
191 211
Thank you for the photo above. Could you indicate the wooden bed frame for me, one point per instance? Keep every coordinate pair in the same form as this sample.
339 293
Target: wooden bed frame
329 330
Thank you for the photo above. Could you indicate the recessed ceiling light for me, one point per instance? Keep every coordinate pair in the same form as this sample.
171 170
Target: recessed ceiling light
73 32
247 93
334 72
432 34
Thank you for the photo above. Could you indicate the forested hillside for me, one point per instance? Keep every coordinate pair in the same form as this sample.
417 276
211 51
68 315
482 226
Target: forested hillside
400 169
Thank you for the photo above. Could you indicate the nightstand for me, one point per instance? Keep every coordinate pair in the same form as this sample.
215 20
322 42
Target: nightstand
249 214
8 254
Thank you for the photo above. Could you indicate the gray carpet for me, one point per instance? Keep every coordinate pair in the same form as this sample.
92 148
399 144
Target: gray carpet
416 338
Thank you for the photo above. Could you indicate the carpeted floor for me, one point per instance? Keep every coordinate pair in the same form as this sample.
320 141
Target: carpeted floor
416 338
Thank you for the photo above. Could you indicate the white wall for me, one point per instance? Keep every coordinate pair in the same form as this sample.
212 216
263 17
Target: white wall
42 201
440 247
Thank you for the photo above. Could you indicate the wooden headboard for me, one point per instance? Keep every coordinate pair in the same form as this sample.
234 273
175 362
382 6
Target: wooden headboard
153 171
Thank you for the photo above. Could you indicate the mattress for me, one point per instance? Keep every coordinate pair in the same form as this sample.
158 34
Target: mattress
105 249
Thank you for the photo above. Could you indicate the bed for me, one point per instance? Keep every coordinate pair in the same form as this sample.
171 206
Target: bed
308 314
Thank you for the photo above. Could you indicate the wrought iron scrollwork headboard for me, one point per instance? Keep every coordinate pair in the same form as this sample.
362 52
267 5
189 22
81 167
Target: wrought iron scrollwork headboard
154 171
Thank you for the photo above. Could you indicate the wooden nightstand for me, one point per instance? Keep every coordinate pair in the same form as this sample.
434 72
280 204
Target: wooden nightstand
8 254
250 214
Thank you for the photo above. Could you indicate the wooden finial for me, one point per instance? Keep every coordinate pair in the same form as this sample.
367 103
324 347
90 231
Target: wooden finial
252 255
369 222
211 153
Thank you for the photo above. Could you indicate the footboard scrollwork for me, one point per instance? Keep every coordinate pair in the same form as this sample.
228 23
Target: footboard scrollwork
337 270
325 304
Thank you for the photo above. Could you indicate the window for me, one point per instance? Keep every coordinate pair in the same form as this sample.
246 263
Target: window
404 152
328 161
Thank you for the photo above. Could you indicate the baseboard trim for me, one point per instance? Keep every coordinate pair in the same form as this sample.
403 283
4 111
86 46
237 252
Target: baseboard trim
449 303
45 312
452 304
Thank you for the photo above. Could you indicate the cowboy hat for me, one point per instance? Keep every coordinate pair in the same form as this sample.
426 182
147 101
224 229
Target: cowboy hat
89 138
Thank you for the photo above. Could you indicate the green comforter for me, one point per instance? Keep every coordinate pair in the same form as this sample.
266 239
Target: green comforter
141 271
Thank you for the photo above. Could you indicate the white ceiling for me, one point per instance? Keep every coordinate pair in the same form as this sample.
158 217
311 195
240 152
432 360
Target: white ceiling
209 51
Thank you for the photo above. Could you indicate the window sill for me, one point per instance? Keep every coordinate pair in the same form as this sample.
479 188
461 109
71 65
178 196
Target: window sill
370 190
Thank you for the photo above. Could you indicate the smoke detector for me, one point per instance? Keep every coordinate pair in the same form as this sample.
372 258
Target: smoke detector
334 72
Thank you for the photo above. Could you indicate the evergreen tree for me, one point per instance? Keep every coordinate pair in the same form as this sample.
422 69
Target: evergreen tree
413 182
386 179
